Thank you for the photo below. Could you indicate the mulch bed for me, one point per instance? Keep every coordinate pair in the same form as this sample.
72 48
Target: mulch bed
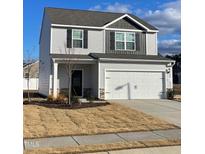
65 106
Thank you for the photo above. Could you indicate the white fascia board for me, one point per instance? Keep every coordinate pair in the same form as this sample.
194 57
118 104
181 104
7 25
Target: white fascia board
125 15
142 25
72 59
135 60
76 26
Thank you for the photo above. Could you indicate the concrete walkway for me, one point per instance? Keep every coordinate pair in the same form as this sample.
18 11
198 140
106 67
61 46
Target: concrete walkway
164 109
101 139
154 150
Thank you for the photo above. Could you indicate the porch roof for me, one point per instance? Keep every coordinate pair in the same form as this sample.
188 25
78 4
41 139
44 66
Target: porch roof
72 56
127 56
92 57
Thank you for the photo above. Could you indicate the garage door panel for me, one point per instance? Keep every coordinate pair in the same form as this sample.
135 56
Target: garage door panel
134 85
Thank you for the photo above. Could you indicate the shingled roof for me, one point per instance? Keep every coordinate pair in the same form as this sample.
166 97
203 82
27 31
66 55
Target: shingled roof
126 56
86 17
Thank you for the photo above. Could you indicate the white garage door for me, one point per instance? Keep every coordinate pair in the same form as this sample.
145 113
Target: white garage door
134 85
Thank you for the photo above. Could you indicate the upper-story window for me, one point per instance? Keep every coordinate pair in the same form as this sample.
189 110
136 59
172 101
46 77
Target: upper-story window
124 40
77 38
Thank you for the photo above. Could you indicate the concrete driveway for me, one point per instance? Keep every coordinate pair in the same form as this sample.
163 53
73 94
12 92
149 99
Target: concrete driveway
154 150
167 110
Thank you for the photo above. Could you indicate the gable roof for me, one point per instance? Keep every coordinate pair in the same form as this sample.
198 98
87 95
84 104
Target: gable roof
87 18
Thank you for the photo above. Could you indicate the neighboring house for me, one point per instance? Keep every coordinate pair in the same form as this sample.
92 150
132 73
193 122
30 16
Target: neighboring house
31 70
115 54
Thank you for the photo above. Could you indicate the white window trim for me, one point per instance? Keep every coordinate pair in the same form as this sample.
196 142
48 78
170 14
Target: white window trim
77 38
119 41
125 42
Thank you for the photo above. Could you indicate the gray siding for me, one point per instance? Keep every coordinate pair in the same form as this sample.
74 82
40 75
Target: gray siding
63 77
59 39
142 43
44 59
151 44
125 23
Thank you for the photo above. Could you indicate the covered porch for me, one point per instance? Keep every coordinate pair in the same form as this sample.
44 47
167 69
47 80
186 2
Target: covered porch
84 76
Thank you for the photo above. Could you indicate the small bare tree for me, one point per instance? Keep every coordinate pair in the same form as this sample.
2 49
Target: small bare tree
69 70
29 60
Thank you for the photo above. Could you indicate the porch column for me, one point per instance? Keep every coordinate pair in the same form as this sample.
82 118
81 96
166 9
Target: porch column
55 79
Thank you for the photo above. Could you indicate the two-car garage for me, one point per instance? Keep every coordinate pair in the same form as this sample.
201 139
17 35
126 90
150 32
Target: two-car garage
131 84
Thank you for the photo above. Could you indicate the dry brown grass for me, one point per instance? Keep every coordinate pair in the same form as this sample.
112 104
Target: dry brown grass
45 121
104 147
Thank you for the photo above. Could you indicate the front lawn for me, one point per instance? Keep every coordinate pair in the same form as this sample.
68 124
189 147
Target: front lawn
49 120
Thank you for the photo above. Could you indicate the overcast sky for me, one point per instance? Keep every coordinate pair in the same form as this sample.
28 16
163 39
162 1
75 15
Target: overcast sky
164 14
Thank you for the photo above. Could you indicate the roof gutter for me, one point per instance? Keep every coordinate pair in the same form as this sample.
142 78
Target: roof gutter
100 28
76 26
136 60
73 59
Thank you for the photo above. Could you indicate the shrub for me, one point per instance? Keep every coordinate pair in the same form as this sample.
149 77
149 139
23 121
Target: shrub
50 98
60 99
75 99
91 99
170 94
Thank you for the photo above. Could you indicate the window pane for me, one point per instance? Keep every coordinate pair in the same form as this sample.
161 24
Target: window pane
77 43
77 34
130 46
130 37
120 45
119 36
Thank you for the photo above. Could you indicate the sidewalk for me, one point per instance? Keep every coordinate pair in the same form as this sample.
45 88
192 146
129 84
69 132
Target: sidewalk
101 139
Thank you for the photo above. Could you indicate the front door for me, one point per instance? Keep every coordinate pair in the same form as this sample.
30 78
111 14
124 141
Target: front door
76 83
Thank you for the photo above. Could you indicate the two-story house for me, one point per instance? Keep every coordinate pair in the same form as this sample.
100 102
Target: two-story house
115 55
